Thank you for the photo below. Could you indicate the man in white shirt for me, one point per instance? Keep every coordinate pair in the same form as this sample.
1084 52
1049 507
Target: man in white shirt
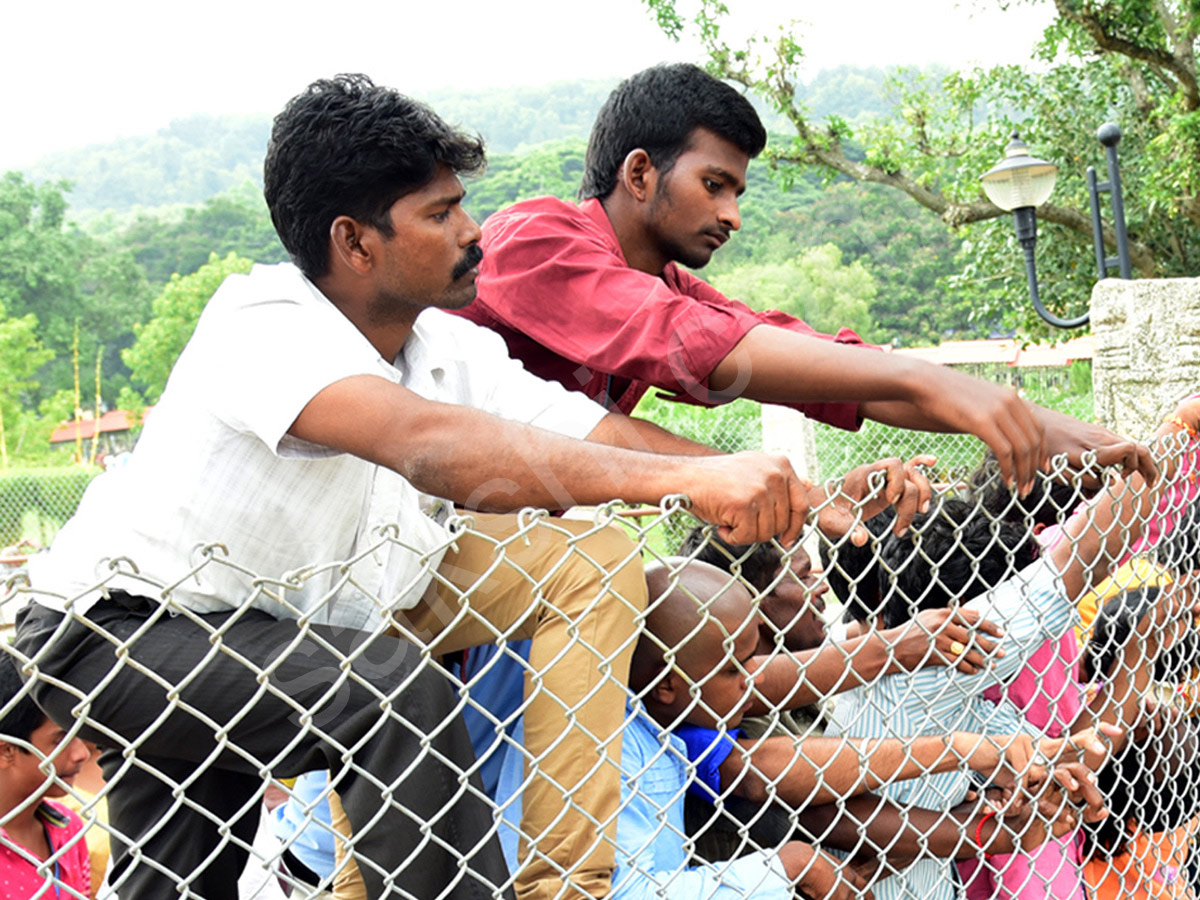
221 605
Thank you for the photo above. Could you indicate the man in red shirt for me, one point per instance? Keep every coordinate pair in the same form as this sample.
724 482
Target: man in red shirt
593 296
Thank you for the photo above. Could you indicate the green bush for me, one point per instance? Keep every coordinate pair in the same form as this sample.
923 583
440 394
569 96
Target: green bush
34 503
731 428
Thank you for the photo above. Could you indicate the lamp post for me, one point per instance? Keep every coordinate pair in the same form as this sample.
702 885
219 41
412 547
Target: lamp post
1018 184
1109 135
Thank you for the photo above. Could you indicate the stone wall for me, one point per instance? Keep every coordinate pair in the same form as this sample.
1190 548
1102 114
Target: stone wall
1147 350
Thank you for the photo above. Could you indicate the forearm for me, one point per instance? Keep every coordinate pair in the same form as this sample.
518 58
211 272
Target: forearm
900 414
774 365
476 459
518 466
1118 701
822 769
633 433
484 462
1120 693
788 681
1100 535
868 824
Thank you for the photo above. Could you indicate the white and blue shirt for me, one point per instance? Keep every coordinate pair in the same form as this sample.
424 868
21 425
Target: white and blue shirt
1032 608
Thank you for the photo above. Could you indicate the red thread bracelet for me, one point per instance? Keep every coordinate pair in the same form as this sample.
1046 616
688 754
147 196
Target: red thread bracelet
979 828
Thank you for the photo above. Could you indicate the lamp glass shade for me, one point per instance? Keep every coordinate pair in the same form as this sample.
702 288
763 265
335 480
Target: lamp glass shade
1019 179
1029 184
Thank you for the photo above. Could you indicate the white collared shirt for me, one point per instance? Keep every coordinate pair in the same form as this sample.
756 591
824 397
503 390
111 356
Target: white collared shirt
220 508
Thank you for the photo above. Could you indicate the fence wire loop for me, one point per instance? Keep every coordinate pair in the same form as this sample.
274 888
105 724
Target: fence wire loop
617 699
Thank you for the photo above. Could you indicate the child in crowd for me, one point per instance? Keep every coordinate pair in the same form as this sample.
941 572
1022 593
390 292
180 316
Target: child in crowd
959 552
42 848
689 673
1045 692
1141 851
791 607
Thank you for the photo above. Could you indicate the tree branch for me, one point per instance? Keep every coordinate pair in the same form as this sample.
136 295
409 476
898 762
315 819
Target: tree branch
1183 68
826 150
1141 91
1140 255
958 214
1182 39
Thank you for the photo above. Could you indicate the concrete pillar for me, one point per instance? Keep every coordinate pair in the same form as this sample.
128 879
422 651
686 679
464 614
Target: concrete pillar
1147 350
790 432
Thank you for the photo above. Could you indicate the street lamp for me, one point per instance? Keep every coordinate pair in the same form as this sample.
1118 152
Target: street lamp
1018 184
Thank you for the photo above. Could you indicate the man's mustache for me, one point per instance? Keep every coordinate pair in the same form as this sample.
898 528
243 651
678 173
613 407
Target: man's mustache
470 259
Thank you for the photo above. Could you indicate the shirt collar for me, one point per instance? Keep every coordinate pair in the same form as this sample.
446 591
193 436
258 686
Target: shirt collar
594 210
422 351
53 817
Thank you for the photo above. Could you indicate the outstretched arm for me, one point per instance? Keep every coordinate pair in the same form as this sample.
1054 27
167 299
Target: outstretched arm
785 681
1100 534
869 825
780 366
800 771
1123 689
490 463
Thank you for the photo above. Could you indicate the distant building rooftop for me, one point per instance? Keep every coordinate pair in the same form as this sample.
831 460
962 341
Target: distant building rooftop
113 420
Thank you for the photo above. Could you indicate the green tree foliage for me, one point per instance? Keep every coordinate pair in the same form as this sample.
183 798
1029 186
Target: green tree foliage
176 310
63 277
38 258
554 168
908 254
231 222
187 162
1121 60
514 119
21 355
196 158
814 286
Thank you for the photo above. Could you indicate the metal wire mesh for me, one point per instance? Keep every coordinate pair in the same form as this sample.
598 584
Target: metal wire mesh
624 697
35 502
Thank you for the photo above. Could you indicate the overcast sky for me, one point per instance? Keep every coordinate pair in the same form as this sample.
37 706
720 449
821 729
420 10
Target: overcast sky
83 72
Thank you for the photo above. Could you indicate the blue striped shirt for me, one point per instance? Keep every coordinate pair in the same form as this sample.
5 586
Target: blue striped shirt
1032 608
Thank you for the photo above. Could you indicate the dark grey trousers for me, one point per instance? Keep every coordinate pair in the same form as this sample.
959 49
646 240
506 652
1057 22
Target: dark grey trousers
205 723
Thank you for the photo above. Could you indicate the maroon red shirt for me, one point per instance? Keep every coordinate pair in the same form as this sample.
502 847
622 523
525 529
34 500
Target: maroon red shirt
555 285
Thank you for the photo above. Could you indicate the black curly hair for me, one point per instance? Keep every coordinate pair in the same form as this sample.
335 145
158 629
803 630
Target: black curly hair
657 110
952 553
347 147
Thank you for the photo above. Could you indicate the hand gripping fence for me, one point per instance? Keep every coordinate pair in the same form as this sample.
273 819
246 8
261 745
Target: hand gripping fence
618 703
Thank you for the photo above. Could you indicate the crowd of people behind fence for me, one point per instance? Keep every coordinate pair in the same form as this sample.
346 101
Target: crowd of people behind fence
329 631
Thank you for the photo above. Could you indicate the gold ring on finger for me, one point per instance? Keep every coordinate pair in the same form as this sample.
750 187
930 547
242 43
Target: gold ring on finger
957 648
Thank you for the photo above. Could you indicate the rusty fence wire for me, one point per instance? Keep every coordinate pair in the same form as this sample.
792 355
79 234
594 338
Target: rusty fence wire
998 702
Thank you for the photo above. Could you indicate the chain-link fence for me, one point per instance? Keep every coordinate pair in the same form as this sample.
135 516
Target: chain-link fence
624 705
35 502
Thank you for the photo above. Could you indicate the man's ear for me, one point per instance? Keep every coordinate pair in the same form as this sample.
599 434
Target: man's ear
638 175
8 754
353 244
666 690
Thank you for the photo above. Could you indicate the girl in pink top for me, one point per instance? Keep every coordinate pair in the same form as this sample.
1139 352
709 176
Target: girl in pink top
42 848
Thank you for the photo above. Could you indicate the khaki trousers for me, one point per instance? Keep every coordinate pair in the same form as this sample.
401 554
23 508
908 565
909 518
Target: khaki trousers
577 591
